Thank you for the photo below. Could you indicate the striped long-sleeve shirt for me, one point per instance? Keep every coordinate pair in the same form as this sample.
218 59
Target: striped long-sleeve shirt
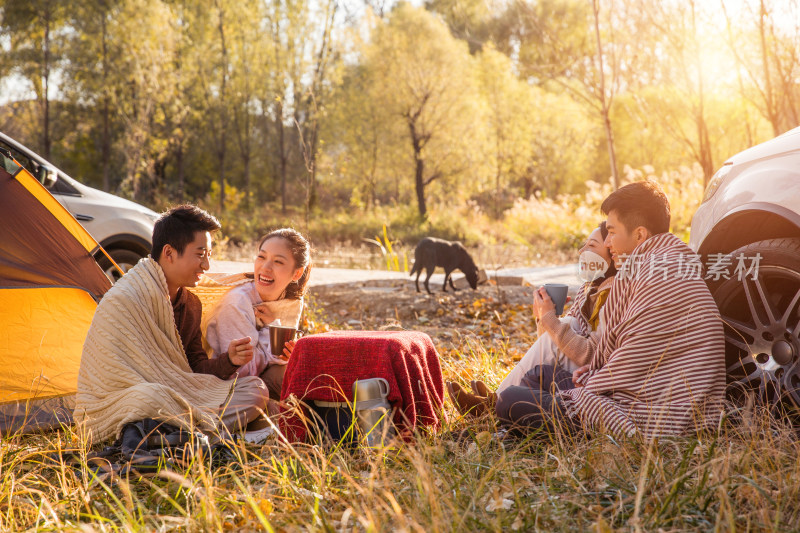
659 367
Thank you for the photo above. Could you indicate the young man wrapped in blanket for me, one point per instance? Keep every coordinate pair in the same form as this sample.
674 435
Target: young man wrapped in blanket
143 356
659 365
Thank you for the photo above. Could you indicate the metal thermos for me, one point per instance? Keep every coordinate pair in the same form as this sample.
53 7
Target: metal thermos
373 410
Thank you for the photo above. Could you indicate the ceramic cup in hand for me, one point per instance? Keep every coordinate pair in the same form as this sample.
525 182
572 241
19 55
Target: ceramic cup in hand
557 293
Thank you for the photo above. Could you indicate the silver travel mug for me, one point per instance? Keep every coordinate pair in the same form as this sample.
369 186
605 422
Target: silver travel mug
373 410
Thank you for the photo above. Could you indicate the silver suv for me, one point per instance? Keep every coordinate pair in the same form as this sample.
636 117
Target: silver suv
122 227
748 232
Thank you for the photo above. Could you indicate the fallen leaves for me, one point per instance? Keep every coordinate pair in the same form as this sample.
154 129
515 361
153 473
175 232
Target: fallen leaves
500 503
499 318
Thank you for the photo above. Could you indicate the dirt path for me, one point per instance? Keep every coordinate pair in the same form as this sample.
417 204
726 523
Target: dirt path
490 317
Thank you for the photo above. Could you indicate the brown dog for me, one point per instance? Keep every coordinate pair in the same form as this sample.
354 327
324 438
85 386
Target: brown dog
432 252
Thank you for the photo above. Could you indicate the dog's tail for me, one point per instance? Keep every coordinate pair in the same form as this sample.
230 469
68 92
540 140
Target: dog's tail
414 268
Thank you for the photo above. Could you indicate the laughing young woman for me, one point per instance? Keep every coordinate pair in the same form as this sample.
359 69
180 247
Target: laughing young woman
281 269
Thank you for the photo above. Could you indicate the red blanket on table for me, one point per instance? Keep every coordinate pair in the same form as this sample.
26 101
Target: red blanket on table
325 366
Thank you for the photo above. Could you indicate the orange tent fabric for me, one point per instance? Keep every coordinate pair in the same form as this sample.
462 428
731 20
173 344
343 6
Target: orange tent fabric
50 284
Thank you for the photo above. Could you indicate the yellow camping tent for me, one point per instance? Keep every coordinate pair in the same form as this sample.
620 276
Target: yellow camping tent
49 288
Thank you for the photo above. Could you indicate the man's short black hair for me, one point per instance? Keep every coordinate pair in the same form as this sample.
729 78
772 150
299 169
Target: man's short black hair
641 203
177 227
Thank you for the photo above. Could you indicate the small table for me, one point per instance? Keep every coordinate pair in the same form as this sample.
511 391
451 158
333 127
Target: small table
325 366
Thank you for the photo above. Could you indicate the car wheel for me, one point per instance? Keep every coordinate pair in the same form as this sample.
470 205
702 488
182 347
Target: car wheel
760 311
125 259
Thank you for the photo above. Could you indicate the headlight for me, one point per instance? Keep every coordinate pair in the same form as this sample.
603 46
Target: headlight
716 180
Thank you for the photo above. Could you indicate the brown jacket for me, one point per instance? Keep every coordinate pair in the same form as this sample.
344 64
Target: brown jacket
188 311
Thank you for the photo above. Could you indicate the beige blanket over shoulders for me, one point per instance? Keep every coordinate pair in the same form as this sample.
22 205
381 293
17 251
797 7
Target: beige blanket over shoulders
134 366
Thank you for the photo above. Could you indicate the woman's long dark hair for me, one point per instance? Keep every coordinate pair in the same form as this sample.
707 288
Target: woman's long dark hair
301 253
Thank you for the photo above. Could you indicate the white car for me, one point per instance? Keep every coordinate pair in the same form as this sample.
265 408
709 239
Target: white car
122 227
748 232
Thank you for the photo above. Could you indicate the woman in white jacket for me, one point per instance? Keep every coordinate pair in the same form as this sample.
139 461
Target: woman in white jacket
280 278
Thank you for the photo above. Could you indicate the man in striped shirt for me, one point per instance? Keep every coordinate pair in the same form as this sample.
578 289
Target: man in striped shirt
659 365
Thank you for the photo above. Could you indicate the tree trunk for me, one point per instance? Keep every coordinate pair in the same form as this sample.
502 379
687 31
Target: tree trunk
106 140
316 102
306 133
46 84
106 146
221 108
497 174
242 127
246 156
282 158
706 157
179 165
242 120
612 155
604 104
307 139
134 144
247 187
371 179
278 98
312 171
419 169
769 96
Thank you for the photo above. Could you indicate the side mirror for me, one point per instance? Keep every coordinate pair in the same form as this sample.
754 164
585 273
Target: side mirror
49 176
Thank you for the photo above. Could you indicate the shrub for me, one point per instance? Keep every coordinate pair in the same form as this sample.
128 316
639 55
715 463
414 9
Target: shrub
565 220
540 222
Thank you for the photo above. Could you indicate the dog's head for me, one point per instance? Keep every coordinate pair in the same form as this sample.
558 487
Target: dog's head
472 277
467 266
471 273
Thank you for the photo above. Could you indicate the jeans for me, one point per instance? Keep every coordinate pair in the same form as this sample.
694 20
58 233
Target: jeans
534 403
543 352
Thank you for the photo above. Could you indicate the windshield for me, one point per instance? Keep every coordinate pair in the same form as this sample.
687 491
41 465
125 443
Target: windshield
7 162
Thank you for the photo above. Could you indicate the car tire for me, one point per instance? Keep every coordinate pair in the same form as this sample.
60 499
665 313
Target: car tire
761 318
125 259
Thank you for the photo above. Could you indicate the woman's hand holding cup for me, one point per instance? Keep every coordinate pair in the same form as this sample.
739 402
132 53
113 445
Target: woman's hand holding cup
556 293
287 350
279 336
542 303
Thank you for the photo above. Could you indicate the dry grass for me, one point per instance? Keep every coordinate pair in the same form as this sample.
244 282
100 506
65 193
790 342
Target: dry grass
744 477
